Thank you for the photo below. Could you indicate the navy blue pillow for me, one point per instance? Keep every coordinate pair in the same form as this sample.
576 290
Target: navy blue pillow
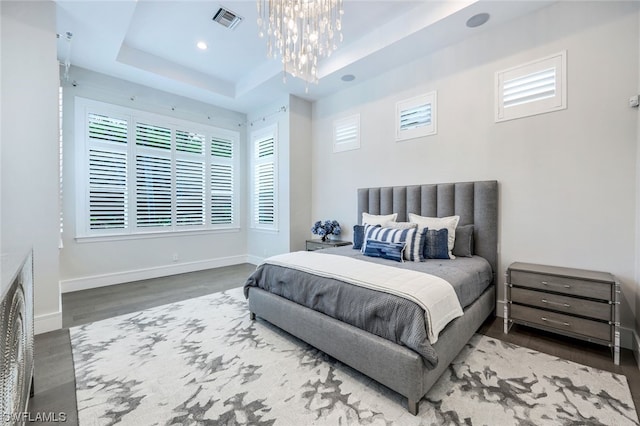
436 244
385 249
358 236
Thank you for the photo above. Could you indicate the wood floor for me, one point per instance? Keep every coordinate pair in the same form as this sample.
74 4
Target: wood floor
54 375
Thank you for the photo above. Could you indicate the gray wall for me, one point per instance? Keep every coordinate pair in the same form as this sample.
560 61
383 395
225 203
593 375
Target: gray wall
567 179
29 150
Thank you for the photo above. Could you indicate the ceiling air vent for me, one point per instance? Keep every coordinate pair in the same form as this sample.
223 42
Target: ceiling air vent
227 18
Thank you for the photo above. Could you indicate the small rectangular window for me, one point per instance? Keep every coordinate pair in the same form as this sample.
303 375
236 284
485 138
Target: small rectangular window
416 117
534 88
346 133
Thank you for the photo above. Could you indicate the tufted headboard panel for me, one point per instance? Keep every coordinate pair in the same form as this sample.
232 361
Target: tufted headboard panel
474 202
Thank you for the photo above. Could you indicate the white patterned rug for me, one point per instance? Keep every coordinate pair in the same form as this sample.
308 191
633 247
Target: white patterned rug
203 362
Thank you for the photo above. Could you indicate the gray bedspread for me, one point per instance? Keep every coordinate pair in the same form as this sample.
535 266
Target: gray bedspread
390 317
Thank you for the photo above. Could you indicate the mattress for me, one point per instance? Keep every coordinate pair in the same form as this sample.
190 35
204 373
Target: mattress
469 276
391 317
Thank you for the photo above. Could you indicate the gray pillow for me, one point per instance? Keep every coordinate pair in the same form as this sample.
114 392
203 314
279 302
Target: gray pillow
463 245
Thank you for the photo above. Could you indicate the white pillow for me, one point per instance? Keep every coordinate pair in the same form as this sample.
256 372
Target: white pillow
449 222
378 219
400 225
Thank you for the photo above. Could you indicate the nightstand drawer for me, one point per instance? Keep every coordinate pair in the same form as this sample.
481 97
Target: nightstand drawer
315 246
565 323
577 287
564 304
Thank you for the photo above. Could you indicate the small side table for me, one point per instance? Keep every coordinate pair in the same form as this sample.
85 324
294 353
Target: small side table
578 303
313 245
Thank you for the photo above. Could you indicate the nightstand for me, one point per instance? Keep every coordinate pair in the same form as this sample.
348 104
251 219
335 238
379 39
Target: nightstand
313 245
573 302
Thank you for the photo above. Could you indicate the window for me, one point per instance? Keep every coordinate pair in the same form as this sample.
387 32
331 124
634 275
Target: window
416 117
264 147
533 88
346 133
149 173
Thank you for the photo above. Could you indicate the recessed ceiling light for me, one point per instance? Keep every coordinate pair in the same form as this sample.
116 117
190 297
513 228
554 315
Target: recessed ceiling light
202 45
348 77
477 20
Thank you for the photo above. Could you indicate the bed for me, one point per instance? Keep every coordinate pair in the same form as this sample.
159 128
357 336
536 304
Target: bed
406 369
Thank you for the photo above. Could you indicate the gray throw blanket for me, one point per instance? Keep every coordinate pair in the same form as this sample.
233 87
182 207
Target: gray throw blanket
391 317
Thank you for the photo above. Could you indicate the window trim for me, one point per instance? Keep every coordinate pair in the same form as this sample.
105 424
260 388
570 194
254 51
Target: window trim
415 102
270 131
554 103
83 107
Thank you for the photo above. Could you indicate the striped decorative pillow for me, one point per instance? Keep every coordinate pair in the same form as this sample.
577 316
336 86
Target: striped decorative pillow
384 249
413 248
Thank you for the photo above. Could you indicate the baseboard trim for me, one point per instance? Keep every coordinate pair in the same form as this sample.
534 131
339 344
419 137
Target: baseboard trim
95 281
254 260
47 322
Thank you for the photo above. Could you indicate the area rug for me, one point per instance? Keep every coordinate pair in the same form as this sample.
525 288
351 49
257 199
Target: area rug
204 362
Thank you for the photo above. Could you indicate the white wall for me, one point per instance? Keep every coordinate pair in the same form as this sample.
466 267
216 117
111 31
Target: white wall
263 243
567 179
300 166
636 347
29 168
294 177
89 264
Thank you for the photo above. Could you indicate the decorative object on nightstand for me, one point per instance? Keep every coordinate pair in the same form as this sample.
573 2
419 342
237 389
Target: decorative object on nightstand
573 302
326 228
313 245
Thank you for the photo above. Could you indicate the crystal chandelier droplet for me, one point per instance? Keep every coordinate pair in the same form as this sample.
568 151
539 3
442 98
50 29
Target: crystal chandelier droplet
301 32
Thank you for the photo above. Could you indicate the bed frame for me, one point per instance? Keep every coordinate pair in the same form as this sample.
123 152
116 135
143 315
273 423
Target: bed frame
395 366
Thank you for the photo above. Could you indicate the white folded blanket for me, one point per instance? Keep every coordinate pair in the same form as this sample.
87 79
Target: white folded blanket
433 294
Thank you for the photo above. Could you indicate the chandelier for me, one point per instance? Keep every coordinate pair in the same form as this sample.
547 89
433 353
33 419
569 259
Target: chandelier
301 32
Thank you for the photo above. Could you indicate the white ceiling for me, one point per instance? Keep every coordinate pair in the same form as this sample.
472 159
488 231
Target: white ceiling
153 43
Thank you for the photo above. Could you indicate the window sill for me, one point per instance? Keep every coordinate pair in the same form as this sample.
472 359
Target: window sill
264 230
156 234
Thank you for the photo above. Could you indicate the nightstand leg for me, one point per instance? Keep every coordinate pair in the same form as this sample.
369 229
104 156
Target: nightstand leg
616 347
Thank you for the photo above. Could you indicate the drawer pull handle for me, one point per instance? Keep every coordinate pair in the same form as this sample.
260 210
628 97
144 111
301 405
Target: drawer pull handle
556 285
566 324
564 305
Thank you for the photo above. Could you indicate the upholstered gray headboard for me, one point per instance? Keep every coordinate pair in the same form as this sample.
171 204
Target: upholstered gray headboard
474 202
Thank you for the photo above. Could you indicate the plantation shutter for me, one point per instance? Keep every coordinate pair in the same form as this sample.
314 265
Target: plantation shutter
107 189
190 179
146 173
530 88
153 176
346 133
189 192
107 172
537 87
107 129
417 116
222 188
264 182
153 191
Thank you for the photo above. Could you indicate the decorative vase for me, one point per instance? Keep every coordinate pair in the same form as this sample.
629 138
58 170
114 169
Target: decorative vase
324 238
